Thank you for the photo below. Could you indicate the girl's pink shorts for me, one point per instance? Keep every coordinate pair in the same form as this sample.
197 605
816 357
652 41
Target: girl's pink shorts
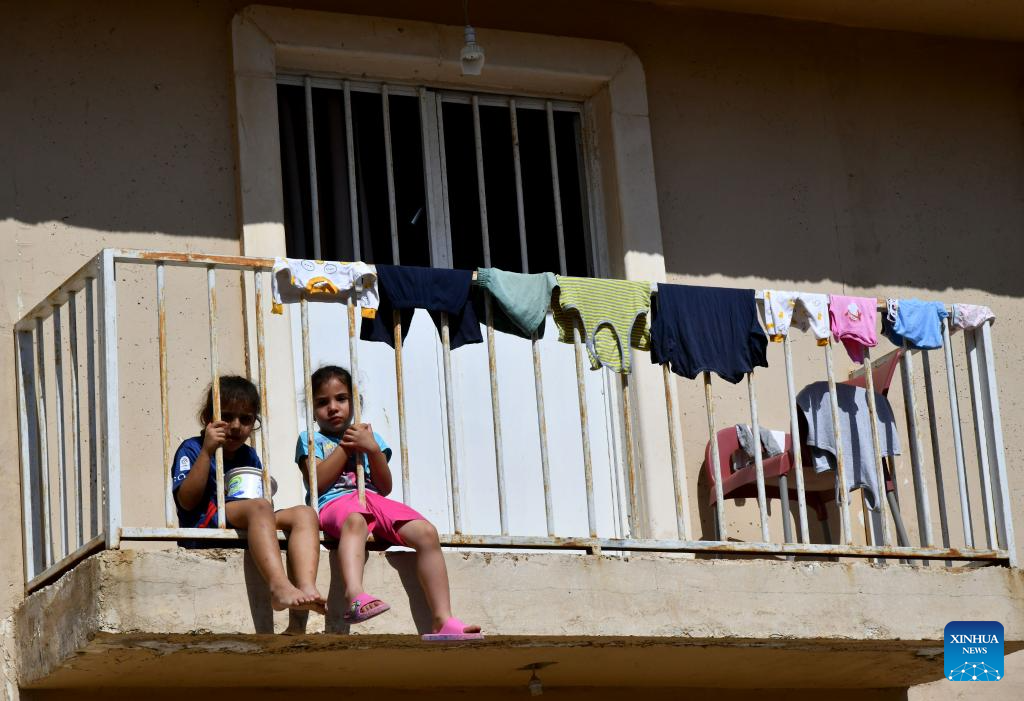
383 516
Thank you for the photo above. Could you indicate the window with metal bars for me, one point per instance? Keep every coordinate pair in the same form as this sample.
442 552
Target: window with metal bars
395 174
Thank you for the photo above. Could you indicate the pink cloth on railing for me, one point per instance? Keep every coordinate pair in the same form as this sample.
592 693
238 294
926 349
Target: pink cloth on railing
854 321
971 316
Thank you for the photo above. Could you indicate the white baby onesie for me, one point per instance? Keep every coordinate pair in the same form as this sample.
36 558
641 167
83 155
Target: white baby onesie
323 281
803 310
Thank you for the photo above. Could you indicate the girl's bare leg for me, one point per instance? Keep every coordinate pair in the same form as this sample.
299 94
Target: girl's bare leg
257 517
433 573
303 529
352 557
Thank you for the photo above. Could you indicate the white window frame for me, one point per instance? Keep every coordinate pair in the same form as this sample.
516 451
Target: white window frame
606 77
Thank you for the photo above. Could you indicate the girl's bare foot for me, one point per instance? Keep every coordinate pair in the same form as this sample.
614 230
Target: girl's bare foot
287 596
317 602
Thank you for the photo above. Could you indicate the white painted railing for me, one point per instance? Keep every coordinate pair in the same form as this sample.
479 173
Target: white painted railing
71 437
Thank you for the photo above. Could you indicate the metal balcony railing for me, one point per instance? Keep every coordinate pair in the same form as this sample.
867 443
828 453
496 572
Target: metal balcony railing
71 437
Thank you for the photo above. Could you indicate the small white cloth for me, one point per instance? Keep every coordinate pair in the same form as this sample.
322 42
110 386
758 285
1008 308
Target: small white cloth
772 442
892 309
805 311
323 281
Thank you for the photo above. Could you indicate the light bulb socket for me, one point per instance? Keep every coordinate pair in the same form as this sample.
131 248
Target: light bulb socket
534 685
472 55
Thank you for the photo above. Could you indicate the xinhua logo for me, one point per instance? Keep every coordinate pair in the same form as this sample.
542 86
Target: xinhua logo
973 651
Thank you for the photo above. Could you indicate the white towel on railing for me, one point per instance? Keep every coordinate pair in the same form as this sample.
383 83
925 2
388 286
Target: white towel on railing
323 281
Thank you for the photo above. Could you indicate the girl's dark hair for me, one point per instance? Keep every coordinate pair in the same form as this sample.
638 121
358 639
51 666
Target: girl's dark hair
233 388
329 372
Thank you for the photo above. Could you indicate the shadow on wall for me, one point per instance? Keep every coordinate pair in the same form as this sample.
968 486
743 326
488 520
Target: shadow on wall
805 152
790 150
124 119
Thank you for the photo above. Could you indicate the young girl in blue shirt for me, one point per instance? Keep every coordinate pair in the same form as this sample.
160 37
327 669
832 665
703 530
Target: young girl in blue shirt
194 486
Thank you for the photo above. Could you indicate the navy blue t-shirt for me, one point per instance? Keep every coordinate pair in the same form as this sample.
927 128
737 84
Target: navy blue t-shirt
707 329
205 514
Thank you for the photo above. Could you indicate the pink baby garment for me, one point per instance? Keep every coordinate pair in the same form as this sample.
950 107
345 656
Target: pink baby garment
971 316
853 321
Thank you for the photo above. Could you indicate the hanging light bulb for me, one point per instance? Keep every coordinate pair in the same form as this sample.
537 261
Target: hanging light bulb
472 55
534 685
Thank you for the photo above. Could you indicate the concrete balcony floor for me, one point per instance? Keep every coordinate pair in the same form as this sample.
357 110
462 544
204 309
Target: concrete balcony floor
130 618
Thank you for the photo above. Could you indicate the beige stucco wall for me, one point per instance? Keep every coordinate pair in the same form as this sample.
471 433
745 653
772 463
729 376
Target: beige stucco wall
787 154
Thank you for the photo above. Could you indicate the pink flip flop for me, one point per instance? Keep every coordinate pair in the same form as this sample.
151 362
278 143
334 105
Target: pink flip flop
452 631
355 613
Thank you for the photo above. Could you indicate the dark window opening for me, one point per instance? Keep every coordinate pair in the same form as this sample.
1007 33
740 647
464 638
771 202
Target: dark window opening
411 206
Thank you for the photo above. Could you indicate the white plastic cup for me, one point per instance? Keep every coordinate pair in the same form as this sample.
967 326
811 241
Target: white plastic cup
243 483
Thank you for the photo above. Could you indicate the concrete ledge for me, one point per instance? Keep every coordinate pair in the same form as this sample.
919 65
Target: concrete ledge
605 620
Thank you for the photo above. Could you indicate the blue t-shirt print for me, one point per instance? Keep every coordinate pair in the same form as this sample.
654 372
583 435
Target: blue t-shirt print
204 515
346 482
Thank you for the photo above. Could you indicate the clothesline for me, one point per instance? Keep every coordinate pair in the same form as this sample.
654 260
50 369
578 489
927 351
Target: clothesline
694 328
759 296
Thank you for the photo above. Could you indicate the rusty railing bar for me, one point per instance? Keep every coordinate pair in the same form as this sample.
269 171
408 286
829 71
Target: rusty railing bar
542 432
449 405
492 357
396 318
44 450
57 568
110 413
794 432
998 450
307 371
357 404
924 516
588 465
981 436
933 430
76 417
190 260
403 442
716 468
628 448
165 414
93 373
29 528
755 430
958 441
538 379
211 298
841 487
675 449
877 447
62 463
75 282
261 374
